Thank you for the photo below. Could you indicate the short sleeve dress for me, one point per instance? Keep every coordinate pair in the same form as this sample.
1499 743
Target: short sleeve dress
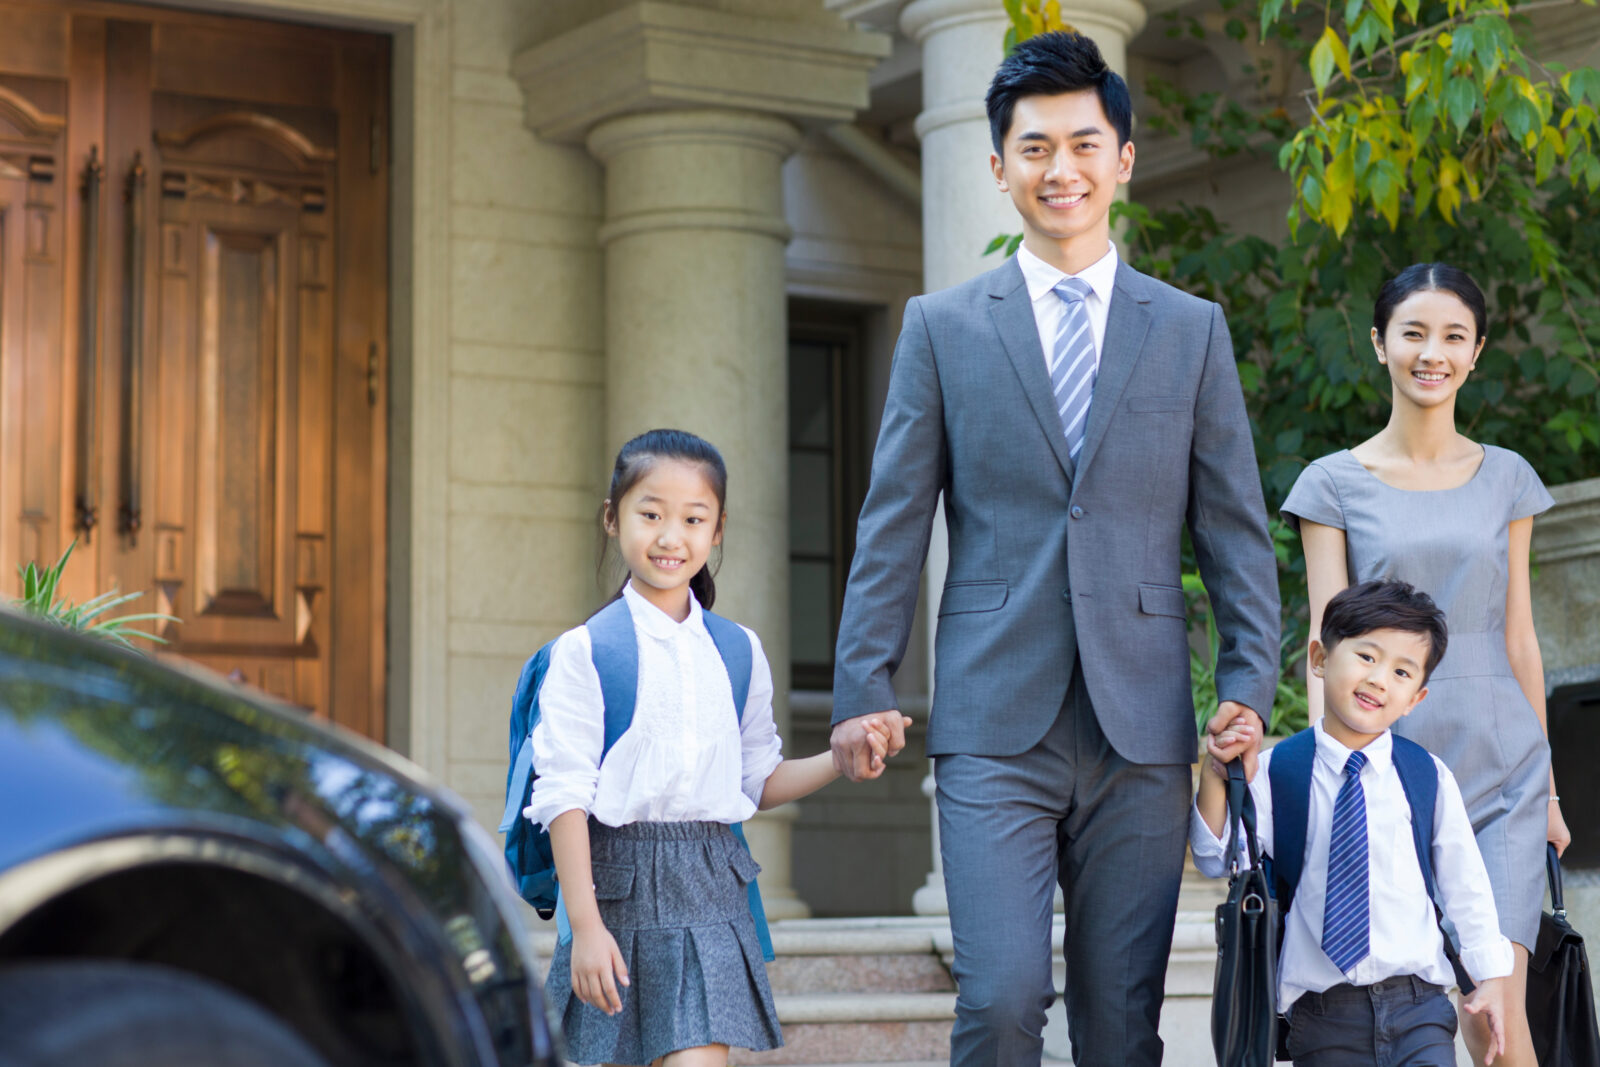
1454 545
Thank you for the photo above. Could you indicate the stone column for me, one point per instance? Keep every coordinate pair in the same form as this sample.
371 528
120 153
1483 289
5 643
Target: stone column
693 109
696 339
962 211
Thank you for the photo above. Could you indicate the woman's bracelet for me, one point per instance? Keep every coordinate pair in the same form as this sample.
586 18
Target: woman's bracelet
1554 799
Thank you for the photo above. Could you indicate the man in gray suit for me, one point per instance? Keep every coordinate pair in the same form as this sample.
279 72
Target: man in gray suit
1076 415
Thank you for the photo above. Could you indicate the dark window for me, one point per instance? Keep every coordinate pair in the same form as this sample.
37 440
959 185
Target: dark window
825 479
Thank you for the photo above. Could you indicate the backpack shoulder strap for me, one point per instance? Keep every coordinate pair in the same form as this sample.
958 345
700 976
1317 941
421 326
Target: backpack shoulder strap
738 655
524 716
614 648
1289 775
1419 777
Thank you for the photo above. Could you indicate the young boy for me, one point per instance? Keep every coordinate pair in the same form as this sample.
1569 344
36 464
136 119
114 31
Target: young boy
1362 971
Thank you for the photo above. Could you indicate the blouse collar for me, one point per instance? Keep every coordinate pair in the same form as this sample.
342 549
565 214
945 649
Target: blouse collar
657 623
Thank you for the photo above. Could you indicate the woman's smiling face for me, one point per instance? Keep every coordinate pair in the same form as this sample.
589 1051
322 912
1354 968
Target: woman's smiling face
1429 346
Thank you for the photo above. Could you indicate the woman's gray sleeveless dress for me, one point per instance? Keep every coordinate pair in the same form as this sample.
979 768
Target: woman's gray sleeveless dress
1453 544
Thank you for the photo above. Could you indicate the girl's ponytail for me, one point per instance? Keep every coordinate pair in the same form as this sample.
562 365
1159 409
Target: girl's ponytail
635 460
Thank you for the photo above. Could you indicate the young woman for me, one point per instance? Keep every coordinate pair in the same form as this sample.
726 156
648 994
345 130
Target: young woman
1422 503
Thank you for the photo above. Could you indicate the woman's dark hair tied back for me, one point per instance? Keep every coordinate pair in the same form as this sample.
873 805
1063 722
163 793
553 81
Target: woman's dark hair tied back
636 459
1426 278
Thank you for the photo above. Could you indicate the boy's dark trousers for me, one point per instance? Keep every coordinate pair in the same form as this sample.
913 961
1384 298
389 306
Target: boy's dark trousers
1398 1022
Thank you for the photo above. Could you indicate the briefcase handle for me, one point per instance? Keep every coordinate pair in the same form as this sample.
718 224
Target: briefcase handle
1241 809
1552 870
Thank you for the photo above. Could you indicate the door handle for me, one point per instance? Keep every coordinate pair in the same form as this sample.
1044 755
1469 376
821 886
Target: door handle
129 515
88 480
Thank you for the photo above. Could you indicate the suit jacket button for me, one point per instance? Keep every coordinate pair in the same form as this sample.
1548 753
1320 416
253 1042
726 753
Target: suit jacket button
1076 512
1066 594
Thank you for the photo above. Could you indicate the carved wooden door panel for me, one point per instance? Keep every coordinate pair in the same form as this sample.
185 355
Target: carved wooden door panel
222 416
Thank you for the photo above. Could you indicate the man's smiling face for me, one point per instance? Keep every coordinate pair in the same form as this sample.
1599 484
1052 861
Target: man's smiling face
1061 168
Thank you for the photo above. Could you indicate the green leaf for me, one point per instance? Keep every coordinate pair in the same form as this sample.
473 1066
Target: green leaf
1461 99
997 244
1546 161
1521 117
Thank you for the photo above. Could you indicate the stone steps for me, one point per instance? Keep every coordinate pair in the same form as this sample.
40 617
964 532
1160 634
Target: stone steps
851 992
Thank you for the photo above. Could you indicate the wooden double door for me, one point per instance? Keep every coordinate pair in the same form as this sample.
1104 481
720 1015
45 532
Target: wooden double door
193 338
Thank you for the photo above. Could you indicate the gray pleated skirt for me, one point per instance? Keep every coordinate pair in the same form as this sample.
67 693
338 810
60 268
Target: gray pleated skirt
674 895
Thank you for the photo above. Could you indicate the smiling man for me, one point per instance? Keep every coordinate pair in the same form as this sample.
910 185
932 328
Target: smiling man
1076 416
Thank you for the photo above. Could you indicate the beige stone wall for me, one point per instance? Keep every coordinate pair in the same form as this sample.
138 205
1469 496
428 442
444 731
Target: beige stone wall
526 393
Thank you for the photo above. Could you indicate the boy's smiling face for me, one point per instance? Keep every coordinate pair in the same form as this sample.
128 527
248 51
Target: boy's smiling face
1369 681
1061 168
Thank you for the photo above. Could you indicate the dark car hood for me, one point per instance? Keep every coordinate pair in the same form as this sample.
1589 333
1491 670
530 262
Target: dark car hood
96 741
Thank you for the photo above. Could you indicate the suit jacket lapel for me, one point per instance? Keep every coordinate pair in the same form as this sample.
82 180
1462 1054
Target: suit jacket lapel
1019 332
1126 325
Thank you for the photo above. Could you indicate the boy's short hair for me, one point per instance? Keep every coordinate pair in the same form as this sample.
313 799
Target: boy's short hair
1050 64
1386 604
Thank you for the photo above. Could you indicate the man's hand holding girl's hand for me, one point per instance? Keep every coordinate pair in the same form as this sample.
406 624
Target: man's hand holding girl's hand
880 739
1234 731
597 968
853 754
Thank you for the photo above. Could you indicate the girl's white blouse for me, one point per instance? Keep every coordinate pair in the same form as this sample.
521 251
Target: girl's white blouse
687 756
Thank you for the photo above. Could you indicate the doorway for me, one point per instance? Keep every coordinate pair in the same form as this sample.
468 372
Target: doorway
193 332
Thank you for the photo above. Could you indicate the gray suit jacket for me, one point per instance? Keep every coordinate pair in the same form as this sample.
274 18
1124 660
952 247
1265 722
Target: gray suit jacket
1049 564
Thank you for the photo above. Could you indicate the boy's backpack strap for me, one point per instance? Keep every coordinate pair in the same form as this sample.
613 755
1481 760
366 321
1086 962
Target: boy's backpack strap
1419 777
737 655
614 648
1289 775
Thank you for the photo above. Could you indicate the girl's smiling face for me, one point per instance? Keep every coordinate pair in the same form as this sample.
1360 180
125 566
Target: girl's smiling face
666 525
1430 345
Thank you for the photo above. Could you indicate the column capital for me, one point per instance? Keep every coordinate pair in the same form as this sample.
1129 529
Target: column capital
653 55
694 169
922 19
697 126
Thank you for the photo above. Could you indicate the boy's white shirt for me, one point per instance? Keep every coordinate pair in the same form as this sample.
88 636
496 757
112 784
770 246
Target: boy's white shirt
1405 937
686 757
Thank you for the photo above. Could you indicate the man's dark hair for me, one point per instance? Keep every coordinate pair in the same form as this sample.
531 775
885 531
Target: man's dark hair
1386 604
1051 64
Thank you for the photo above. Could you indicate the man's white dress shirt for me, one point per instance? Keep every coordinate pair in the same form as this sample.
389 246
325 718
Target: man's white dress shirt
687 756
1048 308
1405 936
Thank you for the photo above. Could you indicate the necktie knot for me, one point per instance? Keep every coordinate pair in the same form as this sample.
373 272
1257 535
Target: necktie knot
1352 766
1072 290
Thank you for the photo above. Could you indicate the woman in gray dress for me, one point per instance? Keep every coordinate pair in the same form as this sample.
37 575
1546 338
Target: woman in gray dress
1421 502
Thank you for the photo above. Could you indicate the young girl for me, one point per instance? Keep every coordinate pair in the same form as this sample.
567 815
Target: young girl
1421 502
664 965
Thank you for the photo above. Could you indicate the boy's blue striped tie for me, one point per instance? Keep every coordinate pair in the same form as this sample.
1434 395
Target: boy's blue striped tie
1345 926
1073 364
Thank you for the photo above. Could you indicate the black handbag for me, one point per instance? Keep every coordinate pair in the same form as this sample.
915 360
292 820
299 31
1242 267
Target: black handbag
1244 1001
1560 995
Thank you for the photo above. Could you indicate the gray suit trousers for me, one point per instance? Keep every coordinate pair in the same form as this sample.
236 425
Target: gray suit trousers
1071 811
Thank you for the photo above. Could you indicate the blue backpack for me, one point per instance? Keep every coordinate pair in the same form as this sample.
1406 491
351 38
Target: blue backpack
1289 775
614 649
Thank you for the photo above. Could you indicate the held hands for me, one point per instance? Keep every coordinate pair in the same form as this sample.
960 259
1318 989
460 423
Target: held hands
854 755
597 968
1233 731
880 736
1489 998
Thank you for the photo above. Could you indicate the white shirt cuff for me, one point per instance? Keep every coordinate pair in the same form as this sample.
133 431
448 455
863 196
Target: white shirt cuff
1484 962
